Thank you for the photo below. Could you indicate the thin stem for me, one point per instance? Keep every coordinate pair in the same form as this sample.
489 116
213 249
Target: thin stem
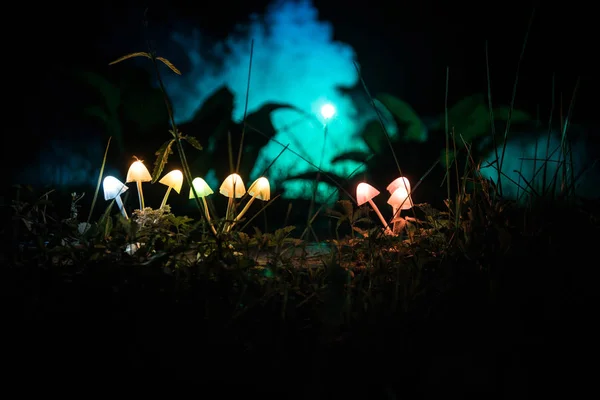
140 194
164 202
121 206
383 221
239 158
207 214
246 208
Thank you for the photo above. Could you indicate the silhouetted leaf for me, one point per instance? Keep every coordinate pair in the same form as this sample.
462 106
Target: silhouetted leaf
218 104
464 108
374 137
110 93
193 141
312 176
414 128
260 120
358 156
501 114
162 156
96 111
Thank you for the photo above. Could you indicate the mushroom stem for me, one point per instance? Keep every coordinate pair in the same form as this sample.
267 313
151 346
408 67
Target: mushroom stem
397 212
140 194
164 202
207 213
383 221
121 207
246 208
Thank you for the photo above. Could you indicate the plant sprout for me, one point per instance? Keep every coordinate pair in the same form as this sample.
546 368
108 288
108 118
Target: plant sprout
138 173
113 189
366 193
174 180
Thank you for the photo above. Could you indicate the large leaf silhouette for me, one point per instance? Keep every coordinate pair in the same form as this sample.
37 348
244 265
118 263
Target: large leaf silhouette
374 137
470 117
412 126
259 131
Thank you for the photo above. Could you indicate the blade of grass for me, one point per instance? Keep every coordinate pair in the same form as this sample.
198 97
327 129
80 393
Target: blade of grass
99 180
514 95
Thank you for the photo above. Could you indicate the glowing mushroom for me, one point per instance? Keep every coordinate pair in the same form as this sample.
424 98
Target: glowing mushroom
138 173
261 190
366 193
233 188
399 182
173 180
113 189
202 190
399 200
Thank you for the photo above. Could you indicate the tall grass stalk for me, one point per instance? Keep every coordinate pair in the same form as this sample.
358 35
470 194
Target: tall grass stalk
512 101
100 174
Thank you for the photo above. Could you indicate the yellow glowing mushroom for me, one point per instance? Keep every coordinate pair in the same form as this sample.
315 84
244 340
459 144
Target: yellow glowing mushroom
113 189
233 188
261 190
138 173
366 193
173 180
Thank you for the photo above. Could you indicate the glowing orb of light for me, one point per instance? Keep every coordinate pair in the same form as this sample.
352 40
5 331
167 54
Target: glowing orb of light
327 111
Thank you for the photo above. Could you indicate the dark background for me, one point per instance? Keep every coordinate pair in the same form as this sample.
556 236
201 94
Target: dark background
403 47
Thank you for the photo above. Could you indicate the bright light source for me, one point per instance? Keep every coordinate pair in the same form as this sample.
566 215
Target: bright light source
327 111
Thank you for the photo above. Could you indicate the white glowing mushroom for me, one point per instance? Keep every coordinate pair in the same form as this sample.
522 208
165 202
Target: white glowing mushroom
138 173
366 193
233 188
260 189
113 189
173 180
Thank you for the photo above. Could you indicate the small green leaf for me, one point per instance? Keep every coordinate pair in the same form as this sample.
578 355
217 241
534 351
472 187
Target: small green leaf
193 141
162 156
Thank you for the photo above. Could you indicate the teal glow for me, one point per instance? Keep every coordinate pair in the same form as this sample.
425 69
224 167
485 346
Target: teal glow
327 111
297 62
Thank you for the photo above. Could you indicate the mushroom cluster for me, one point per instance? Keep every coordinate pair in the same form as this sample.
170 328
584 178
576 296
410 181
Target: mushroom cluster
232 187
400 199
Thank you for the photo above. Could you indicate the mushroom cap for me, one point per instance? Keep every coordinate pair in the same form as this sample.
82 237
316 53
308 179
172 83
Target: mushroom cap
261 189
364 193
202 188
113 187
173 179
399 182
400 197
138 173
233 181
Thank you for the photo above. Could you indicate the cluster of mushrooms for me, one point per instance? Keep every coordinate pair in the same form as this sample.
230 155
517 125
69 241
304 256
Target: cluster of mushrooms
400 199
232 187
